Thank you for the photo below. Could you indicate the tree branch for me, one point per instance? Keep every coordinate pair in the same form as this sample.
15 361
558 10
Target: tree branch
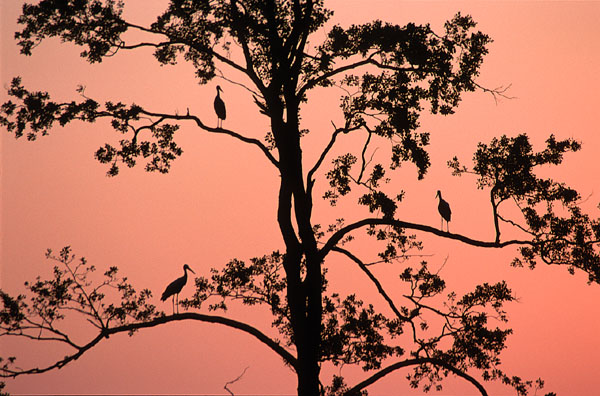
364 268
337 236
413 362
178 40
336 132
226 387
496 92
364 150
368 61
198 122
106 332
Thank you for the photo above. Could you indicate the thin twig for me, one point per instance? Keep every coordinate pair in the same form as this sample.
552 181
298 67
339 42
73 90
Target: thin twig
496 92
222 76
235 380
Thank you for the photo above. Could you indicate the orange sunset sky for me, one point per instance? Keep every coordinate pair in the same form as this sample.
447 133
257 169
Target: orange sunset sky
218 201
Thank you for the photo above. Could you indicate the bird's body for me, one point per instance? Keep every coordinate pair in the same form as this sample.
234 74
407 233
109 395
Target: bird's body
220 108
175 287
445 212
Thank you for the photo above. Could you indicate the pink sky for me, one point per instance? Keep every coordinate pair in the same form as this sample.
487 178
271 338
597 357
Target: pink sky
218 201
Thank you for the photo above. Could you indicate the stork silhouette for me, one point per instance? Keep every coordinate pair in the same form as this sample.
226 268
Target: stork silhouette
175 287
445 212
220 108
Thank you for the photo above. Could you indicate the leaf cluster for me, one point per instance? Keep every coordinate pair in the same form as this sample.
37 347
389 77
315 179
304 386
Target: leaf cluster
193 28
38 113
92 23
561 232
71 291
272 34
408 66
353 334
256 283
464 321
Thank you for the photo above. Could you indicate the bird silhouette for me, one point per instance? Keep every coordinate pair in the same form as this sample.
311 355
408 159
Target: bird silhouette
175 287
445 212
220 108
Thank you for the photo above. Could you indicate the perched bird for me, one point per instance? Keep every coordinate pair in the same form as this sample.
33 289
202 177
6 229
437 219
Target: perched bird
175 287
445 212
220 108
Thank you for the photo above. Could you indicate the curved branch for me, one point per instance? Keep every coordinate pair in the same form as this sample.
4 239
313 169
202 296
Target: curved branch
198 122
106 332
287 356
413 362
337 236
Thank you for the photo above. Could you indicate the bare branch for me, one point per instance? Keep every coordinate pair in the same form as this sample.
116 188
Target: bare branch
234 381
364 150
509 221
222 76
496 92
380 289
413 362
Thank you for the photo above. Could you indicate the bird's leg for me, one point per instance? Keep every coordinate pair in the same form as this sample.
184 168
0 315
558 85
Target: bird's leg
177 302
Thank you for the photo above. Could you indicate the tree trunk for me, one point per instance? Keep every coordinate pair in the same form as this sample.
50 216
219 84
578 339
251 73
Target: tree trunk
303 289
308 378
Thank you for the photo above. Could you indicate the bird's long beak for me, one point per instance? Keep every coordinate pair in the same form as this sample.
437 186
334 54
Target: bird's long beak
192 271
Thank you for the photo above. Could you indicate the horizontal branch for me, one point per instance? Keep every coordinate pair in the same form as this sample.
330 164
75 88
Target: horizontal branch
368 61
339 235
198 122
105 333
413 362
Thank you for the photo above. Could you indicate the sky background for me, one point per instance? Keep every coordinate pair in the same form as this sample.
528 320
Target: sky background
218 201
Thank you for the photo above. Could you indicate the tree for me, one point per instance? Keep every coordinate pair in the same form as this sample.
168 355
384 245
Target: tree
393 71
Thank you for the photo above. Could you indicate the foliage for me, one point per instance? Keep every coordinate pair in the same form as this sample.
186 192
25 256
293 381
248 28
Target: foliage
507 167
390 74
71 292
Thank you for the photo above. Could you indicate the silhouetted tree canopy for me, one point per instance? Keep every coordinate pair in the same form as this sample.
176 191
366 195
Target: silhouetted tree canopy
391 74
